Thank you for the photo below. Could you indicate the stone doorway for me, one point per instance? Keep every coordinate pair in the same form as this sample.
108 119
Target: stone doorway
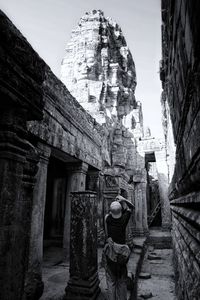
54 212
153 195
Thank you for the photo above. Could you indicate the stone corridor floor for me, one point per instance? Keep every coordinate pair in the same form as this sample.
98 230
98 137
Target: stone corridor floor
158 266
56 273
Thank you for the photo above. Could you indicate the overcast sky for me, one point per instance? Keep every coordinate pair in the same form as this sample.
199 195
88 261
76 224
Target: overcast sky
47 25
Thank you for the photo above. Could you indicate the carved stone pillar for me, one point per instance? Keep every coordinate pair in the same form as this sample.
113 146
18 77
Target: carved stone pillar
144 207
131 225
18 166
94 183
141 226
76 182
138 210
83 283
33 284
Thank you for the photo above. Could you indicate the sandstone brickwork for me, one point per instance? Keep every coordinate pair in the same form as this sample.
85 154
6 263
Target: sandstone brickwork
180 75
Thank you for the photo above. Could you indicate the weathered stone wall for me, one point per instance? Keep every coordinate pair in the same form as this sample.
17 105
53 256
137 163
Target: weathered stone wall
67 126
21 100
180 75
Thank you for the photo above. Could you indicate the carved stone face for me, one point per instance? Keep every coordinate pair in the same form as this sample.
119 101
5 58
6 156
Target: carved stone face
99 55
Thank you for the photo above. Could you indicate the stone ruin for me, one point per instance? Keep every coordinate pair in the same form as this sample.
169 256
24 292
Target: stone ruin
61 158
98 68
99 71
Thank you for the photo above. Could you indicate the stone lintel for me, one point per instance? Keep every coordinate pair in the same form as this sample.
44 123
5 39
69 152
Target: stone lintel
80 167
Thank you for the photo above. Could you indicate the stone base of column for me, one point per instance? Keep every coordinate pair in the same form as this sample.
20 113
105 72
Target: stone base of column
34 287
83 289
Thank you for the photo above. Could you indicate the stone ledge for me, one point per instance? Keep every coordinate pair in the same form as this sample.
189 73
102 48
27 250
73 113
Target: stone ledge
190 198
188 214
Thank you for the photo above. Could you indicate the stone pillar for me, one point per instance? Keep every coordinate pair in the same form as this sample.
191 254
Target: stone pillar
141 226
33 284
162 170
94 183
138 210
83 283
18 166
144 207
76 182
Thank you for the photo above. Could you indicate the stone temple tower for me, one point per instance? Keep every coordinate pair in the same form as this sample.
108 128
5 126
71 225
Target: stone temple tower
98 68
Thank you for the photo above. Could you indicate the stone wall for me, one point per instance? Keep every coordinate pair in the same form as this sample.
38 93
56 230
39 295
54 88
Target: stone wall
180 75
68 127
21 100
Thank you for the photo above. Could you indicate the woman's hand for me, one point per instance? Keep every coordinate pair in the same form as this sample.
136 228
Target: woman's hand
124 202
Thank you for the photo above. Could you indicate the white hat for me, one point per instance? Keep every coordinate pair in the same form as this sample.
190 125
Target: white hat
116 209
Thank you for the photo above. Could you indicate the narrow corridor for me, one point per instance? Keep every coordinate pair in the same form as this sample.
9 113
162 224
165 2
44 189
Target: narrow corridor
156 280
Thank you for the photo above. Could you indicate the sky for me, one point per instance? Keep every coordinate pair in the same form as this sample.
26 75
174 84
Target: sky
47 25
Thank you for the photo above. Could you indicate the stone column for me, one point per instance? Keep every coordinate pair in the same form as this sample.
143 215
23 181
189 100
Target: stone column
18 166
76 182
33 284
131 224
140 209
83 283
94 183
144 207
